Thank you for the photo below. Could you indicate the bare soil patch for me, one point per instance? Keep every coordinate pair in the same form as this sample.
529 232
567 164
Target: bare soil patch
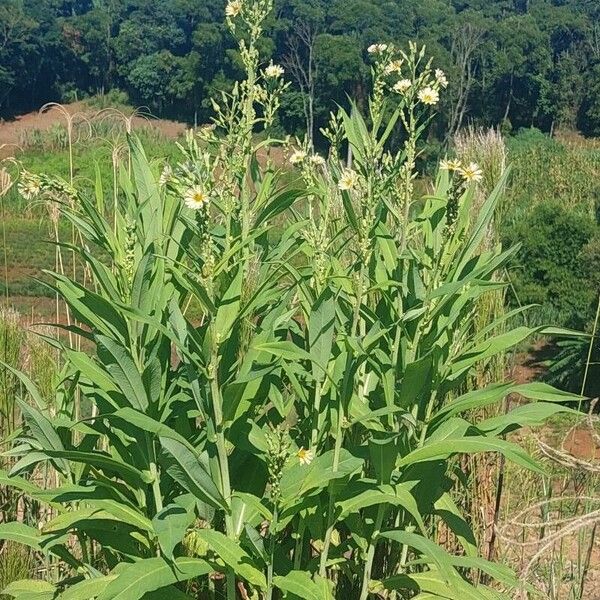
13 131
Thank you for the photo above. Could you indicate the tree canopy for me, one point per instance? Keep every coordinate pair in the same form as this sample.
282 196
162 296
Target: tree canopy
510 62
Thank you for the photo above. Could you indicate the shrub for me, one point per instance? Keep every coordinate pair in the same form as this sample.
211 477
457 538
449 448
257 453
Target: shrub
298 439
556 256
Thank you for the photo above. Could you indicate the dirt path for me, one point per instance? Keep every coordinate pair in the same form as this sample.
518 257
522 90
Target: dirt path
14 131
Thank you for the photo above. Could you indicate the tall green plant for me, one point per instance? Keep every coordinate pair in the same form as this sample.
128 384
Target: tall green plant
295 439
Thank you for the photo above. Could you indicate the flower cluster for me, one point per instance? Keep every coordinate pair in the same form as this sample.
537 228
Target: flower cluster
278 453
129 254
348 180
403 74
305 456
469 172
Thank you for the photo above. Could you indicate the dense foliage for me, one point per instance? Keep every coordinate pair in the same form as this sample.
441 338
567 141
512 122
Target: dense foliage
299 439
518 62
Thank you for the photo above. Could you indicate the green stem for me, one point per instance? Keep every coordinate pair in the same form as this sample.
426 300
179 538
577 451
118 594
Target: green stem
269 594
330 509
339 430
314 438
590 351
299 545
364 594
223 463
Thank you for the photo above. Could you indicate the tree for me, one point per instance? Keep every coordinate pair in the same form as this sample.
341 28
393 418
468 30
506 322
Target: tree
300 61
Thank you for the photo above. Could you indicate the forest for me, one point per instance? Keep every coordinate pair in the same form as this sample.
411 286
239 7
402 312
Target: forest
513 63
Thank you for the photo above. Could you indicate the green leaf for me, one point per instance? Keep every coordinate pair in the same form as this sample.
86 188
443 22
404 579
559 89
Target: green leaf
113 466
123 512
71 519
21 534
30 589
43 431
279 203
28 385
362 494
170 525
19 483
233 556
527 415
298 480
120 365
432 582
229 307
321 326
300 584
468 445
383 453
190 473
285 349
135 580
87 589
491 347
430 551
416 375
146 423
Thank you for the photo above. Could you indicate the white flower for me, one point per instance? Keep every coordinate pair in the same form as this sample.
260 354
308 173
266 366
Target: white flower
165 176
297 157
305 456
317 160
196 197
450 165
471 172
377 48
441 78
393 67
348 180
274 71
233 8
429 96
403 86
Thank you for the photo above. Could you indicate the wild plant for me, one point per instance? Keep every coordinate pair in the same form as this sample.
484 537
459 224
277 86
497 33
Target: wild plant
294 434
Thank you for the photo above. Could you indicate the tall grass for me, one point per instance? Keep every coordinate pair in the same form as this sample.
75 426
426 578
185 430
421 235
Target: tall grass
553 168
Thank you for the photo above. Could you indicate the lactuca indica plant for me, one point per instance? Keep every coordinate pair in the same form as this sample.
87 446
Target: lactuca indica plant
277 384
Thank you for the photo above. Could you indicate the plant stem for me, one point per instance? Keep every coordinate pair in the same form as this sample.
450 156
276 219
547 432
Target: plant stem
590 351
273 527
314 438
364 594
339 433
223 462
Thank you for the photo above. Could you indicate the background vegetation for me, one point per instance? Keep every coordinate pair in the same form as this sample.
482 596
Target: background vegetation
518 63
